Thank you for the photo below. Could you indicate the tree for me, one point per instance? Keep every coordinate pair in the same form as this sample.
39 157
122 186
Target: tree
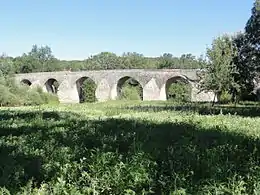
43 57
102 61
220 69
39 59
134 60
166 61
6 65
248 59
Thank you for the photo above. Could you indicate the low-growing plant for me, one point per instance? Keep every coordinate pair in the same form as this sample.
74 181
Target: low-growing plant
130 93
15 94
225 97
179 92
156 148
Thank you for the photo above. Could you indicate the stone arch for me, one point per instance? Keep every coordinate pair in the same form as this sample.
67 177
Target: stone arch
86 88
174 80
26 82
127 80
52 85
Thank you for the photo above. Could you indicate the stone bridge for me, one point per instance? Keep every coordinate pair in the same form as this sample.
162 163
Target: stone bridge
155 83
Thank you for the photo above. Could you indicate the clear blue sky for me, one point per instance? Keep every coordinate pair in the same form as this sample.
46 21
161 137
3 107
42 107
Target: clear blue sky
76 29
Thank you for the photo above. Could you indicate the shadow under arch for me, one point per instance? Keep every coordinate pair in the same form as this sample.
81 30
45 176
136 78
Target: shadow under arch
178 88
52 85
129 88
86 88
26 82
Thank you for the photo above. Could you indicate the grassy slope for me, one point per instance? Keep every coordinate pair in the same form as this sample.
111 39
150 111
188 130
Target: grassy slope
130 147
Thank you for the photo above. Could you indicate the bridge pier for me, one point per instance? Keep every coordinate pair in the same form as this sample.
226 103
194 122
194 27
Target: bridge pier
68 93
200 96
151 91
103 91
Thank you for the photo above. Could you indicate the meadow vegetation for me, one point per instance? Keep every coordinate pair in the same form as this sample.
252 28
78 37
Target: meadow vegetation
16 94
130 148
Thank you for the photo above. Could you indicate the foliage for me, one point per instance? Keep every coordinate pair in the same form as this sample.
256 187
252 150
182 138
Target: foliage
113 148
6 65
88 90
131 90
247 60
130 93
13 94
104 60
179 91
40 59
219 73
167 60
225 97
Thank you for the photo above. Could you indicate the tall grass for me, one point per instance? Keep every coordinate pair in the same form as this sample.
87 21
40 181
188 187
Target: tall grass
115 148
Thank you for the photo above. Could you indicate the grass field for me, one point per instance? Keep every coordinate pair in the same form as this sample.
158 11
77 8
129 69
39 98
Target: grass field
130 148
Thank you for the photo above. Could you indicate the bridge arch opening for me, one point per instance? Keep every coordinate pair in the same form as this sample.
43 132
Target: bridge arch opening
52 86
86 88
178 89
26 82
129 88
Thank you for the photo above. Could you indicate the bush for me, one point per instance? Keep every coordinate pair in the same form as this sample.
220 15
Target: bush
179 92
88 91
225 98
6 97
131 90
14 94
130 93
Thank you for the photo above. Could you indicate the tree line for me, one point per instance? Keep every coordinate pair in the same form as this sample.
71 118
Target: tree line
41 58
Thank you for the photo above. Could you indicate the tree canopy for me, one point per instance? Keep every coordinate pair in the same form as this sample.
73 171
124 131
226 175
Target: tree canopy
41 58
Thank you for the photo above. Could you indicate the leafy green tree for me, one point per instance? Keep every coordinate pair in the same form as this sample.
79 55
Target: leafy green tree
39 59
6 65
248 59
102 61
186 61
220 70
133 60
166 61
25 64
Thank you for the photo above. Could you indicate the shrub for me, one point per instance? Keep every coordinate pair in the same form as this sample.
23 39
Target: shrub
131 90
225 97
179 92
6 97
88 91
130 93
14 94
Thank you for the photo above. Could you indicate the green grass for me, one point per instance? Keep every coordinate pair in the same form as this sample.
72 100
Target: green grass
130 147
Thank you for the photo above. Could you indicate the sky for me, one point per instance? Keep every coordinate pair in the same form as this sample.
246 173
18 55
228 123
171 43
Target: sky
76 29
